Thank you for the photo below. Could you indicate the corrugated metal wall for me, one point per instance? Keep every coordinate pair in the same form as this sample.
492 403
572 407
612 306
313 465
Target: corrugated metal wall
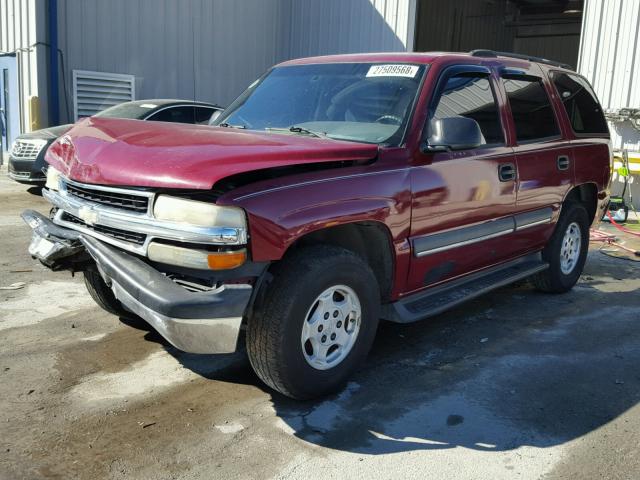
609 56
339 26
610 59
558 40
460 25
211 50
22 25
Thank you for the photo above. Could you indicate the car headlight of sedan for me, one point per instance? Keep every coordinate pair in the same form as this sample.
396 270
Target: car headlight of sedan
192 212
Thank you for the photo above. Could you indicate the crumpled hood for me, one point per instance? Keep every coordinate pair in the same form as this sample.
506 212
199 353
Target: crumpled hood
121 152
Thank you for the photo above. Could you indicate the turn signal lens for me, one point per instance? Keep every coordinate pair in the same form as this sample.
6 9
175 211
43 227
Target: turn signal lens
192 258
226 260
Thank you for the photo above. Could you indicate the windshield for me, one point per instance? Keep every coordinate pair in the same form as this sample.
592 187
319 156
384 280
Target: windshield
362 102
131 110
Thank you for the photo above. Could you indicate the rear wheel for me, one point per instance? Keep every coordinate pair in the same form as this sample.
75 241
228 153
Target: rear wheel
102 294
316 323
566 251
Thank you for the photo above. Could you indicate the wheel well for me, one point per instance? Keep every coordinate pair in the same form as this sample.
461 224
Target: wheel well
370 240
587 195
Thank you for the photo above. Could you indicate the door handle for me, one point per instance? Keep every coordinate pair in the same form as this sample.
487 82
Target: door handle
563 162
506 172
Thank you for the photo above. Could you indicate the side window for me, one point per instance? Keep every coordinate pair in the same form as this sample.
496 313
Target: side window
203 114
531 109
580 103
174 114
471 96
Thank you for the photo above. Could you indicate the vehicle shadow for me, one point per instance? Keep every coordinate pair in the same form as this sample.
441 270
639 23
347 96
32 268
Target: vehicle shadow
514 368
232 367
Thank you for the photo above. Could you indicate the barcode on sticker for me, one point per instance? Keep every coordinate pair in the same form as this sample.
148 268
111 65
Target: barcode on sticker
393 71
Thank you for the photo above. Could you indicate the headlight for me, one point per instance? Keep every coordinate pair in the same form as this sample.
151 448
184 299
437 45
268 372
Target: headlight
192 212
53 179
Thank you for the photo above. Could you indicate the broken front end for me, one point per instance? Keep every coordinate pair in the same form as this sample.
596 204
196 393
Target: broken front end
179 263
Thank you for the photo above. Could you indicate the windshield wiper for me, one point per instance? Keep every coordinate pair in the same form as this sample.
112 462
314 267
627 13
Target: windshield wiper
297 129
228 125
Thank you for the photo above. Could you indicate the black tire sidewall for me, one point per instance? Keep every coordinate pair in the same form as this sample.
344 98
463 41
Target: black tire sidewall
102 294
303 379
574 213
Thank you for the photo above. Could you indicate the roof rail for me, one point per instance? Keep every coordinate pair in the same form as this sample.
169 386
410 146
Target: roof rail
531 58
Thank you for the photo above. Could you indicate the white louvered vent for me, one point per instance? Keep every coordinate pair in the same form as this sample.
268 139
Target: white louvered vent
95 91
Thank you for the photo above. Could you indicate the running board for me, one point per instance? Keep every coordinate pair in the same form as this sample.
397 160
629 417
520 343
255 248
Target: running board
438 299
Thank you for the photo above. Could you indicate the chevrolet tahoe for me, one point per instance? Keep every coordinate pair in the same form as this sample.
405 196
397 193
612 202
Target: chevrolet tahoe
334 192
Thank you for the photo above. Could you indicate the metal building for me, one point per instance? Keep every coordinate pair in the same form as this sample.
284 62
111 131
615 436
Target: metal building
610 59
23 68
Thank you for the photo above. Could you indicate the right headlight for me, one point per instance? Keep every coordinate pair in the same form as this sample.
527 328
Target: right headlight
193 212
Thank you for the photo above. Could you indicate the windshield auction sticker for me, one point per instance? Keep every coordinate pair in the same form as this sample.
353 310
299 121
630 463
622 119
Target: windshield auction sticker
393 71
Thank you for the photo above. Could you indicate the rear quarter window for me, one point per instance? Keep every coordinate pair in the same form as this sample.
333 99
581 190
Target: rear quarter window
583 110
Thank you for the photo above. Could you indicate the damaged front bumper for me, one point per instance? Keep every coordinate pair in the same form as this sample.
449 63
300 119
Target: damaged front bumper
195 322
56 247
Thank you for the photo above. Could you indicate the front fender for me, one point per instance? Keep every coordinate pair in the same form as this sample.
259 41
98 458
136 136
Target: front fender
280 215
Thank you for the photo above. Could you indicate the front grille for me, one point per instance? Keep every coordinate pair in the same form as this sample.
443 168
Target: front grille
26 149
116 233
125 201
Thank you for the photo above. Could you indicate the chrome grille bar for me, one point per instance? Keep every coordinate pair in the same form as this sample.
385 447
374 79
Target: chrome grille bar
107 222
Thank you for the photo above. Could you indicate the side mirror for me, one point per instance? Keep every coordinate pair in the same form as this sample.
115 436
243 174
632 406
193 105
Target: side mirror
453 133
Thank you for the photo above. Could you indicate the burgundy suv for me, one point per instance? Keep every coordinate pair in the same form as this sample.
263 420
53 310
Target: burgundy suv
334 192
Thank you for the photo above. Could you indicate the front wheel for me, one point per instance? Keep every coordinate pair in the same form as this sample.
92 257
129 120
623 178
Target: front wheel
102 294
316 324
566 251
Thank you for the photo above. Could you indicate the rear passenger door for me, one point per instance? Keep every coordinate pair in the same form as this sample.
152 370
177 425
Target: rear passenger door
585 117
543 158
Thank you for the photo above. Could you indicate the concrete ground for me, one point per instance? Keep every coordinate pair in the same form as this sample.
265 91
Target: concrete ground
516 384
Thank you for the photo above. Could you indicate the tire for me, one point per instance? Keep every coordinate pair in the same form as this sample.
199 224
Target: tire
557 279
102 294
275 344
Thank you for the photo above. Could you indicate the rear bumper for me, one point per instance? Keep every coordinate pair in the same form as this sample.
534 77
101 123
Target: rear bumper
196 322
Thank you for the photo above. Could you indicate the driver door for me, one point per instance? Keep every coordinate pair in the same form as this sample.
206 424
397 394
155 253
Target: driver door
463 200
